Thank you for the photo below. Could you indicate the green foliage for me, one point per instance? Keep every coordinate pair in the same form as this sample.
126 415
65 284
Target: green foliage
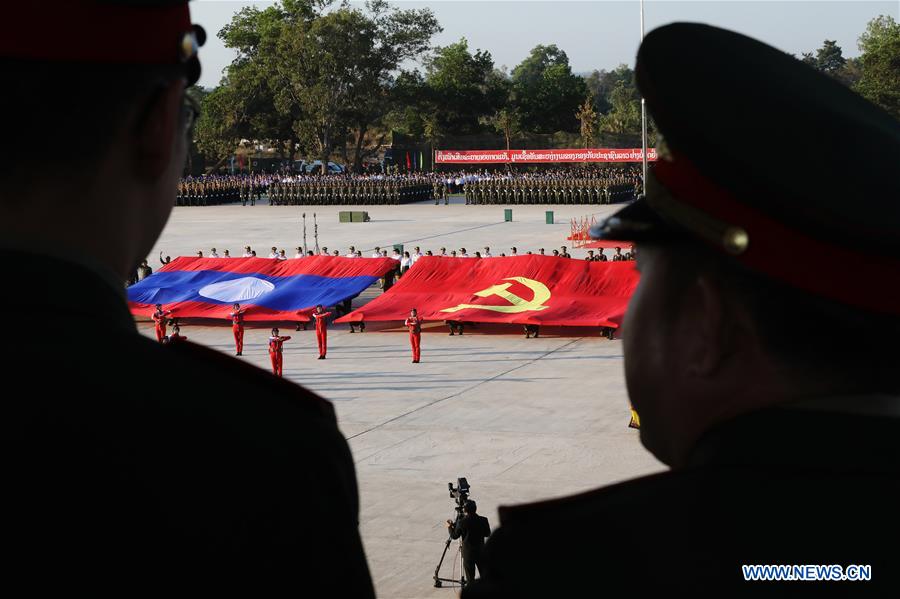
464 86
882 30
602 83
546 92
410 102
879 65
506 122
624 115
324 77
827 59
587 117
318 74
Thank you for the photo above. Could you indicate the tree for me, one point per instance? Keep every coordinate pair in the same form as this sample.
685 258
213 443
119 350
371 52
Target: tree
431 129
329 69
602 83
879 64
879 31
827 59
410 99
546 92
463 87
505 121
587 116
221 125
624 116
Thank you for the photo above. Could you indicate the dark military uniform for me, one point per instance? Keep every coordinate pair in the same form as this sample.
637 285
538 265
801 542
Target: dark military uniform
813 480
134 468
163 464
756 492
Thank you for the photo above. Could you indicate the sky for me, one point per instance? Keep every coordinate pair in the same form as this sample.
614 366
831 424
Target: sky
595 34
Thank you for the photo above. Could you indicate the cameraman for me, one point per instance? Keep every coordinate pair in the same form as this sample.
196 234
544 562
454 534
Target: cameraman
473 529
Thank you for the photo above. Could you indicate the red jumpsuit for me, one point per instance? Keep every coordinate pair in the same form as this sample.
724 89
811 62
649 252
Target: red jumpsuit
322 331
414 324
159 318
237 327
275 354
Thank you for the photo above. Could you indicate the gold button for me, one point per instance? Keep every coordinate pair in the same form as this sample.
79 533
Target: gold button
735 240
188 46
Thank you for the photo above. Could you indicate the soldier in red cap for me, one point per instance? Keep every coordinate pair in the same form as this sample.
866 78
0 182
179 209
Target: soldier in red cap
276 351
160 321
321 318
135 486
237 328
414 324
781 448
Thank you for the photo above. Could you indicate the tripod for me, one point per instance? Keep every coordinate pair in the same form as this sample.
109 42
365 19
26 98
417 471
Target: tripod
437 579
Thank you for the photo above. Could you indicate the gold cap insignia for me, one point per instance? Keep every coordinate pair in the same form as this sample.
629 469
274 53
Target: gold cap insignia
735 240
189 46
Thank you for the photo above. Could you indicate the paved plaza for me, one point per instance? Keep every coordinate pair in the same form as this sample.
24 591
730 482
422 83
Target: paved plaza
522 419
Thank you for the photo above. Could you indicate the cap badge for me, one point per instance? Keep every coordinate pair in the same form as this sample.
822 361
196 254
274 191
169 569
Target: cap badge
735 240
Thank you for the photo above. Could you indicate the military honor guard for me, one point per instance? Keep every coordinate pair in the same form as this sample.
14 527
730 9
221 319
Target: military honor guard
414 324
321 318
160 320
276 351
237 328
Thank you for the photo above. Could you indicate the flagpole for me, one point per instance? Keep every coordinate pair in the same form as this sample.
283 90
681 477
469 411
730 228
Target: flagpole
316 233
304 235
643 114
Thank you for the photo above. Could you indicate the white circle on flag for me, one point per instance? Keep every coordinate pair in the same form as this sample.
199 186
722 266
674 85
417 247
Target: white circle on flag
237 290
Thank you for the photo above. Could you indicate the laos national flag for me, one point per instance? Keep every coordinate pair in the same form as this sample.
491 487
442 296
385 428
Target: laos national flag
268 289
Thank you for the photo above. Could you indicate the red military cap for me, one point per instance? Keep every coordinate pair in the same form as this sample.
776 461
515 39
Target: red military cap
146 32
770 162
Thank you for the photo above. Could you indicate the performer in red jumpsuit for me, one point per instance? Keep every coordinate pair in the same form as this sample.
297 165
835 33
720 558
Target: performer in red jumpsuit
275 343
175 337
321 330
159 319
414 324
237 327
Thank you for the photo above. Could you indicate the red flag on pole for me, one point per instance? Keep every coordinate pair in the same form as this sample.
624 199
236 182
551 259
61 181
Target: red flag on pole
408 163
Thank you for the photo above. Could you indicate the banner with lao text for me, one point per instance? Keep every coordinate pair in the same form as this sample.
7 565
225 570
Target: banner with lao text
542 156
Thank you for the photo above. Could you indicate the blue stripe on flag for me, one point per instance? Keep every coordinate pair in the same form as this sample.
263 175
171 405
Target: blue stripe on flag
291 293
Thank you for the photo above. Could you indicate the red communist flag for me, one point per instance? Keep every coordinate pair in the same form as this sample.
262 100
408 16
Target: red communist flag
519 290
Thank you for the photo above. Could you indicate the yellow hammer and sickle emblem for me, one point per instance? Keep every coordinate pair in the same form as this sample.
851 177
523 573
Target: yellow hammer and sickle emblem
517 304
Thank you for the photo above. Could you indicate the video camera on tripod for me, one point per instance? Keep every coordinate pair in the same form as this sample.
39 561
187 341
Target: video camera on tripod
460 495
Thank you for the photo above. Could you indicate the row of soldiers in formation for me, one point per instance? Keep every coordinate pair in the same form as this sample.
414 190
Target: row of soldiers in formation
549 191
350 191
573 186
213 190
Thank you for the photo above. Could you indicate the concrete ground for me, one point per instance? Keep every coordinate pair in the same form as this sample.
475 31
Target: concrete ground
522 419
